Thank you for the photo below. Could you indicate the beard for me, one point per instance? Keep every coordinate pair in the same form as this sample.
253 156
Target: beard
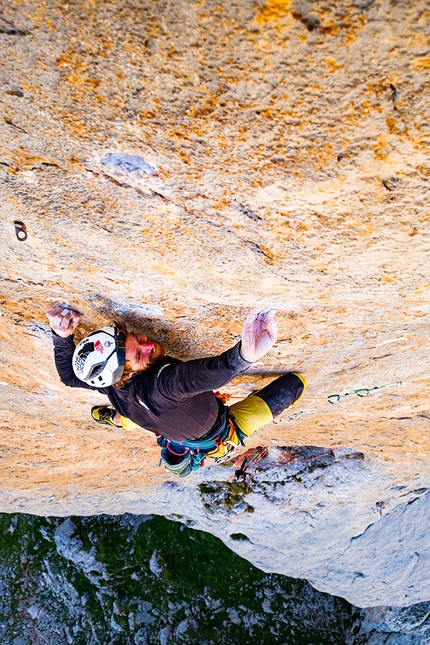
156 355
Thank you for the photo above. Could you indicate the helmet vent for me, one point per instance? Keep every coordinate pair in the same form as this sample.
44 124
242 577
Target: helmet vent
96 370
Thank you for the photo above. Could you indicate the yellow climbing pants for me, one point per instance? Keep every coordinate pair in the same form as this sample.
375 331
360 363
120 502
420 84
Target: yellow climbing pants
249 415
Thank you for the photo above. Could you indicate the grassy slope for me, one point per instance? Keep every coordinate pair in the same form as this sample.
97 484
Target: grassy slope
160 582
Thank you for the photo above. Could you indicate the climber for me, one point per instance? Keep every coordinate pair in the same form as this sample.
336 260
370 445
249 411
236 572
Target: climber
171 398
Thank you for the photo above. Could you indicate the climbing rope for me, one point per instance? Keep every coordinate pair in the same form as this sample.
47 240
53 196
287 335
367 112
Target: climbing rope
361 392
335 398
246 464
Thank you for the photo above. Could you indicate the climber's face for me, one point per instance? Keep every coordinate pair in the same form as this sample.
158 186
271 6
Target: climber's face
141 352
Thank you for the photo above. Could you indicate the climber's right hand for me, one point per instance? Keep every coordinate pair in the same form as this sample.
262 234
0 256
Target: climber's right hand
259 333
63 320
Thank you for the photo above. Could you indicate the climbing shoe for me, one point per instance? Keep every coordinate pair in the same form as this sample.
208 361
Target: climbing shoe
105 415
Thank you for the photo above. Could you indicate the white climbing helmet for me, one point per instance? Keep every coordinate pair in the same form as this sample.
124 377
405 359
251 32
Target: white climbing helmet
99 358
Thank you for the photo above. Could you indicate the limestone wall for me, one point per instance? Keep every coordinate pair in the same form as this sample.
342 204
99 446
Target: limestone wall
286 149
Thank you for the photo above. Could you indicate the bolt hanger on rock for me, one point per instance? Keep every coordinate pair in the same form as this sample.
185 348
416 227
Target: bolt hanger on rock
20 230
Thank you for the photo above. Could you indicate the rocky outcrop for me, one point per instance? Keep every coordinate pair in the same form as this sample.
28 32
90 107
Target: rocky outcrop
172 165
146 581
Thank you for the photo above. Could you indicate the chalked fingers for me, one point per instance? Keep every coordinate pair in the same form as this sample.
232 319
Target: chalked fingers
63 320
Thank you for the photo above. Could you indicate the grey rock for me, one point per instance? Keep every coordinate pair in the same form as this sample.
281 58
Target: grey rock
165 634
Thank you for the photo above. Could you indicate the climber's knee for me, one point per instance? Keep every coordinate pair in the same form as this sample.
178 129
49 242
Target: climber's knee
283 392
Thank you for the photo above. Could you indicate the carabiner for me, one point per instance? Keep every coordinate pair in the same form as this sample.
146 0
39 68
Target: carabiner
364 391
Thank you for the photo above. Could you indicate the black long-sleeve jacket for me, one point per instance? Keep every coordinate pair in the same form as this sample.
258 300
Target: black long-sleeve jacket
172 398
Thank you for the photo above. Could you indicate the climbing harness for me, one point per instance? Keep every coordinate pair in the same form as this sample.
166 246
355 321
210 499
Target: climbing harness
335 398
180 458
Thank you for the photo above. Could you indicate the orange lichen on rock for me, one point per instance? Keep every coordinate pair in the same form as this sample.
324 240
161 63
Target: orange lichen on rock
274 9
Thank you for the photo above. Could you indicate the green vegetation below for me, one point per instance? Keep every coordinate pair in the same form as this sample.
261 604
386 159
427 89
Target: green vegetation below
142 580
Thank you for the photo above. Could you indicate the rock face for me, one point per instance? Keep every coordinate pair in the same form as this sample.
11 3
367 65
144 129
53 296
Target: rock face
171 165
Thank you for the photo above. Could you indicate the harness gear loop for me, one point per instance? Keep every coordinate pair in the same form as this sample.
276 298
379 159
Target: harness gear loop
181 458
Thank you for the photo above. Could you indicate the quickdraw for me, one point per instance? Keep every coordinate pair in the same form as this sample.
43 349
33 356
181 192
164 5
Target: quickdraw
335 398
